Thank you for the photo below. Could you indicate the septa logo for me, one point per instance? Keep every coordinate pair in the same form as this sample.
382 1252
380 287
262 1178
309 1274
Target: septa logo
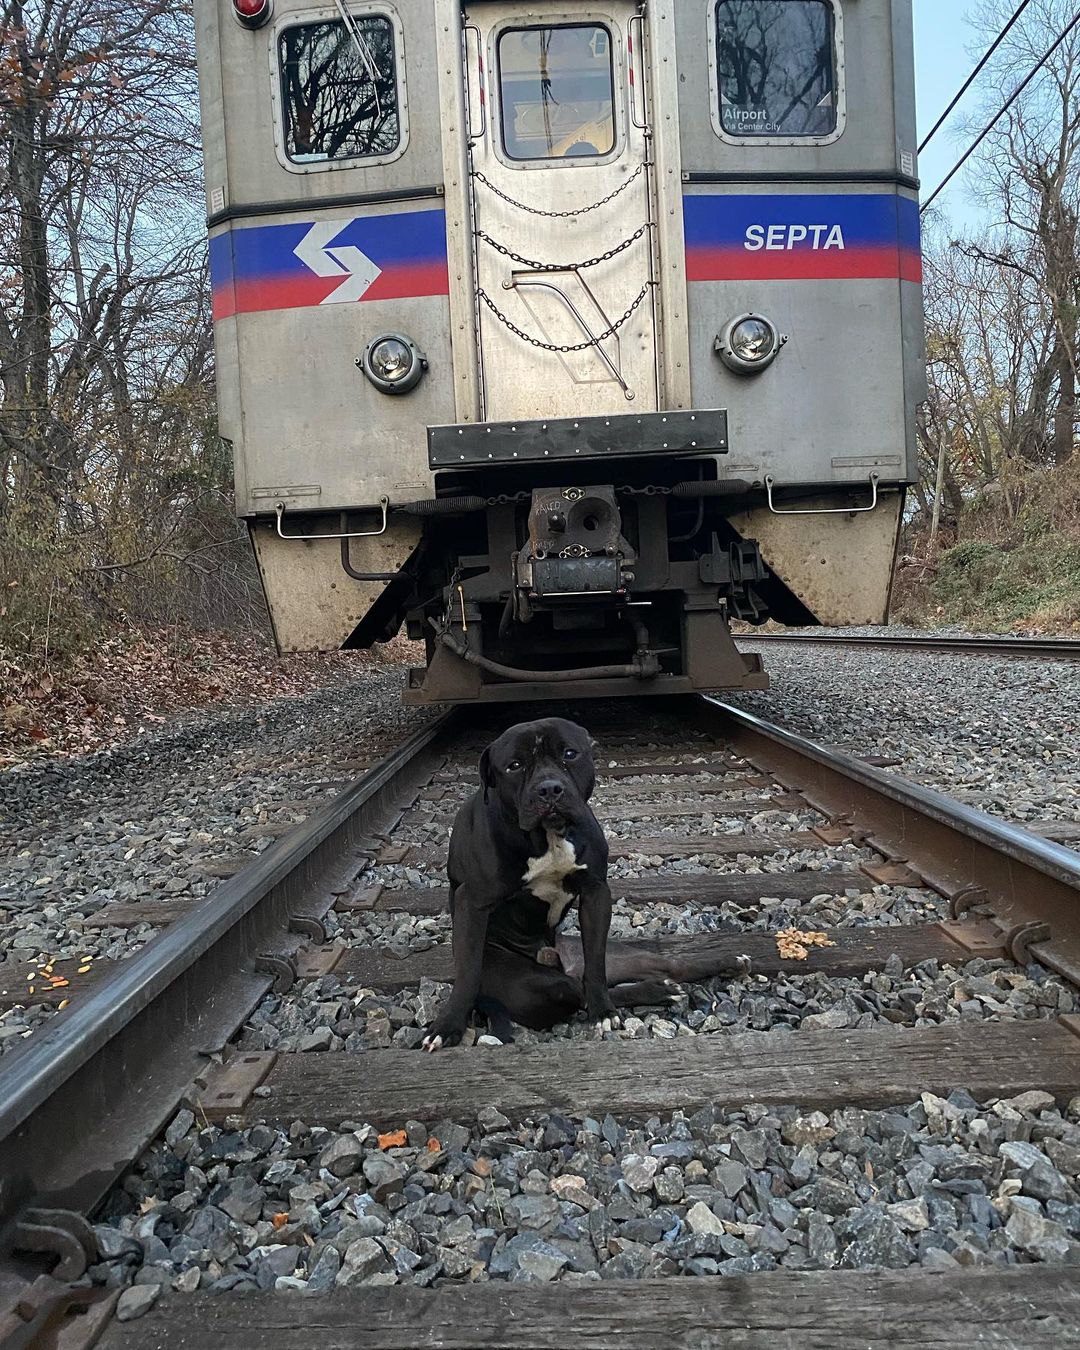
780 238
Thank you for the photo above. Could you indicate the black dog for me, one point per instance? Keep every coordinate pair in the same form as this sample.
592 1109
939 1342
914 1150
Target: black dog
524 848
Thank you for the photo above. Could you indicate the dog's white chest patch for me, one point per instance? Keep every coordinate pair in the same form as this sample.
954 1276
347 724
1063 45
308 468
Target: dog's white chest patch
546 876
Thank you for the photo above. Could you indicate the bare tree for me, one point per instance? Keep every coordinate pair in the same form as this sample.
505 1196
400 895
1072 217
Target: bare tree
1029 179
108 460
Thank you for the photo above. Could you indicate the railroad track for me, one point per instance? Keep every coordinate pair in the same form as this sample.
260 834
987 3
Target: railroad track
245 1032
1037 649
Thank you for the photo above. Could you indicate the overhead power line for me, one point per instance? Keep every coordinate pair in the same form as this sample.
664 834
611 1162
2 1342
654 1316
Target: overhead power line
997 118
974 75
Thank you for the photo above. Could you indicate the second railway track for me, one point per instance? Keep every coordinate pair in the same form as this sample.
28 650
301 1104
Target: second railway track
738 1186
1036 649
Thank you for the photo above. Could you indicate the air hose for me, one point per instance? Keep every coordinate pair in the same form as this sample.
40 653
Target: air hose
645 666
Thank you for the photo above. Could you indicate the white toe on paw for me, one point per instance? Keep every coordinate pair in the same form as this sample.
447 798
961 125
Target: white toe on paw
432 1043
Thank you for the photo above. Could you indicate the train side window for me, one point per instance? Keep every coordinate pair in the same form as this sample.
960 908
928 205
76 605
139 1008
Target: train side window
339 91
557 92
777 72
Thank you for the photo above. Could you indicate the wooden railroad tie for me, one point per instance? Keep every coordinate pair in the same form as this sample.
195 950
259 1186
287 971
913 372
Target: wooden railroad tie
1036 1307
875 1068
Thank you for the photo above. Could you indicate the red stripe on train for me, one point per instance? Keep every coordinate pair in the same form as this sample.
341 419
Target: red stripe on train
300 292
740 264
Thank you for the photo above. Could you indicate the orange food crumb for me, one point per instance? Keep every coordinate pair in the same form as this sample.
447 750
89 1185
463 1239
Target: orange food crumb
433 1145
280 1220
794 944
395 1139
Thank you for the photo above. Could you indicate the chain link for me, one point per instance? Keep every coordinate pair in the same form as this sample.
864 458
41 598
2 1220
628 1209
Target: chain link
559 215
554 347
564 267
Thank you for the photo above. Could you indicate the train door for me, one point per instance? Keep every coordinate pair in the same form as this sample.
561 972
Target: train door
562 209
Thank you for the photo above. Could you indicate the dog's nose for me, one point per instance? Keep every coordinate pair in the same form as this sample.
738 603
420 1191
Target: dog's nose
550 790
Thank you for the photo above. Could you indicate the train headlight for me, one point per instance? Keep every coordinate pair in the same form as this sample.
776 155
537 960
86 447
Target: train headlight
749 344
393 363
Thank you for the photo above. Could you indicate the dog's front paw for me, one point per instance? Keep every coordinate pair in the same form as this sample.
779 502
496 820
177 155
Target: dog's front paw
445 1031
603 1014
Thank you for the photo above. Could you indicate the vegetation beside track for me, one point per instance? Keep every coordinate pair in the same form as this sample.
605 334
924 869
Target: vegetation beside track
1012 563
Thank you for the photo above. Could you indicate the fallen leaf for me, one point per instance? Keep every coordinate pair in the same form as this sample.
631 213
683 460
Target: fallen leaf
44 686
395 1139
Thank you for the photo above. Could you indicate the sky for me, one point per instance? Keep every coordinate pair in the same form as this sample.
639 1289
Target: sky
946 50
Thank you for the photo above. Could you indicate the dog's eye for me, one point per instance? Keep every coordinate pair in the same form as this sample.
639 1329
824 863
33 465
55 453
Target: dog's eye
514 766
570 753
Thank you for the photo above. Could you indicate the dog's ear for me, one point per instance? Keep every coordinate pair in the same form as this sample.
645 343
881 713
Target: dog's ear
486 777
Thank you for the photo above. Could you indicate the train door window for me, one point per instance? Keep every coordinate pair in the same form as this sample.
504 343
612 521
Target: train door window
556 92
340 92
776 68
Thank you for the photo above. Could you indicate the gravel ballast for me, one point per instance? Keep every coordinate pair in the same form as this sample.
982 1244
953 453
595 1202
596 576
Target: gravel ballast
941 1184
329 1014
140 822
1000 733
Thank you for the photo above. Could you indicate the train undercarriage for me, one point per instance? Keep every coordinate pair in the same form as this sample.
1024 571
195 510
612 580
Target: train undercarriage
564 576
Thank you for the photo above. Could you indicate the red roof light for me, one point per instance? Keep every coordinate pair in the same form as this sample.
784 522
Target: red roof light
252 13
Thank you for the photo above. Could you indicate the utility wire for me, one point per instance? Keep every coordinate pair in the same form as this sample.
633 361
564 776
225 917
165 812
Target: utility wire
974 75
996 118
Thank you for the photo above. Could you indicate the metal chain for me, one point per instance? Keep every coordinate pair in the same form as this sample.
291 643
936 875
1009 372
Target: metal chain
559 215
554 347
563 267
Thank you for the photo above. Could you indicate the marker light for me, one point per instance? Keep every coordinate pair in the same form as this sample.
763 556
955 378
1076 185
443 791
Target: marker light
252 13
393 363
749 344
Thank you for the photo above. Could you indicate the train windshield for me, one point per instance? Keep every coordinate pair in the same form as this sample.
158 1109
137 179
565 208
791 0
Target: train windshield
557 92
777 67
339 90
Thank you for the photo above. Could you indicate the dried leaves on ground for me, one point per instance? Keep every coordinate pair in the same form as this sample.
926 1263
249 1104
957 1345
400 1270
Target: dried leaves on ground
133 682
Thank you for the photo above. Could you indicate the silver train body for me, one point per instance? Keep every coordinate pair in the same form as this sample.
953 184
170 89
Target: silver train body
565 333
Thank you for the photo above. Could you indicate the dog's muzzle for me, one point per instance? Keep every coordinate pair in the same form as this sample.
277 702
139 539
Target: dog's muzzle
547 801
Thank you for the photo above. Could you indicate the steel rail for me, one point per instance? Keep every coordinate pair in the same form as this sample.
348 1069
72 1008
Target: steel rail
1047 649
86 1094
1031 884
